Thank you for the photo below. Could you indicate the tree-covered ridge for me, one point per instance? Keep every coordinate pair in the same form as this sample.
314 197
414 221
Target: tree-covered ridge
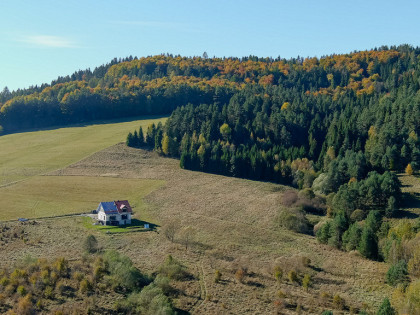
158 84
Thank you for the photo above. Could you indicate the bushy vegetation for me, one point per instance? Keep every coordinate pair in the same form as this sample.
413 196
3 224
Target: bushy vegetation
40 282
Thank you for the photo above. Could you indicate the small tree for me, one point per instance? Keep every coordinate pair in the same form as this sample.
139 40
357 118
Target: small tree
187 236
278 273
306 282
141 137
217 276
397 273
91 244
292 275
409 169
240 275
170 229
386 308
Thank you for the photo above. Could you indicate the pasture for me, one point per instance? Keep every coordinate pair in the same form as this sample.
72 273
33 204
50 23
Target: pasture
42 196
28 154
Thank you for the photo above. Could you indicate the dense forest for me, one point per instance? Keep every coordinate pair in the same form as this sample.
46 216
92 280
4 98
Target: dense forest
337 128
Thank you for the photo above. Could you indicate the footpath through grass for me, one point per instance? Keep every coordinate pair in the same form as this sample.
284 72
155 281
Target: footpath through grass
28 154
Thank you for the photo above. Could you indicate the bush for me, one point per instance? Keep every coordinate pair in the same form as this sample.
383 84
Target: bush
306 282
338 302
292 275
173 269
217 276
21 290
278 273
357 215
397 274
163 283
124 275
293 219
240 275
91 244
150 300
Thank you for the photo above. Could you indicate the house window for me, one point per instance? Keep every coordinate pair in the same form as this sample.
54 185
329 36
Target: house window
124 217
112 217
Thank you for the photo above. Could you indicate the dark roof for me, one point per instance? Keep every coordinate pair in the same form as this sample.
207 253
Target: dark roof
121 204
115 207
109 207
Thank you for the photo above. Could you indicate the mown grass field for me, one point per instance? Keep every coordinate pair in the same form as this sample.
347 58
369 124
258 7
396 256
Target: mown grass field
27 154
42 196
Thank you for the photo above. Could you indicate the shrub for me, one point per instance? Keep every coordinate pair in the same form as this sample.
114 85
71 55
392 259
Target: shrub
293 219
85 286
306 282
24 306
49 292
292 275
163 283
21 290
91 244
338 302
278 273
357 215
217 276
240 275
327 313
173 269
150 300
124 275
306 261
4 281
397 274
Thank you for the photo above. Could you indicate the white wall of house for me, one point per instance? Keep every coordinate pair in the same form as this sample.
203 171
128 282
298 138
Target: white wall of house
118 217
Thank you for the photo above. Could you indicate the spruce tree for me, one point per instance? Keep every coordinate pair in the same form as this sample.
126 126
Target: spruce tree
386 308
141 137
368 245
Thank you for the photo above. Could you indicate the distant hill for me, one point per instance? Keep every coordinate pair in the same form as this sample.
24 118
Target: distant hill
159 84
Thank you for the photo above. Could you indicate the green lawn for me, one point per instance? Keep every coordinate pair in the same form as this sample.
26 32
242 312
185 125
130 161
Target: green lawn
135 226
27 154
42 196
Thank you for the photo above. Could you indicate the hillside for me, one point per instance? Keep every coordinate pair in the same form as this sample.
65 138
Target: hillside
26 156
233 221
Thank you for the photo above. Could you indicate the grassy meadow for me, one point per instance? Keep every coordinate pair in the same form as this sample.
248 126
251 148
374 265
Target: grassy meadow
24 157
42 196
29 154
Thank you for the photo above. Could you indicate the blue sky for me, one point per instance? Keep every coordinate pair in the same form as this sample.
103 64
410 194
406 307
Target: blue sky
41 40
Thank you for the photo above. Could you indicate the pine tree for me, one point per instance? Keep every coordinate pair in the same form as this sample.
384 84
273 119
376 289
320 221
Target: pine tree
386 308
129 141
368 245
141 137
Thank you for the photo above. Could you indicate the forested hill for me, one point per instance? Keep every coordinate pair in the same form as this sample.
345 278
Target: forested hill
159 84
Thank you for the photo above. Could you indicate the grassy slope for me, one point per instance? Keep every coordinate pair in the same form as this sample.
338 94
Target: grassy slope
25 156
233 219
28 154
42 196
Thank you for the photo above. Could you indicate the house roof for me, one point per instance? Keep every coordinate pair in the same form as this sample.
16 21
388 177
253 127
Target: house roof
115 207
108 207
121 204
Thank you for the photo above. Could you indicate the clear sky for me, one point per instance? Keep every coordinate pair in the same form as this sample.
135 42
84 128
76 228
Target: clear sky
41 40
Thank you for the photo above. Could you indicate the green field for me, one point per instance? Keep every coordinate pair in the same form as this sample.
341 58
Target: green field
26 156
29 154
42 196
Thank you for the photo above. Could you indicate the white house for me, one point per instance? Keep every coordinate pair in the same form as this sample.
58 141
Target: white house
114 212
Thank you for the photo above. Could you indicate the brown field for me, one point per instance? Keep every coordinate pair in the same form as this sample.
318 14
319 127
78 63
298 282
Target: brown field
233 221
